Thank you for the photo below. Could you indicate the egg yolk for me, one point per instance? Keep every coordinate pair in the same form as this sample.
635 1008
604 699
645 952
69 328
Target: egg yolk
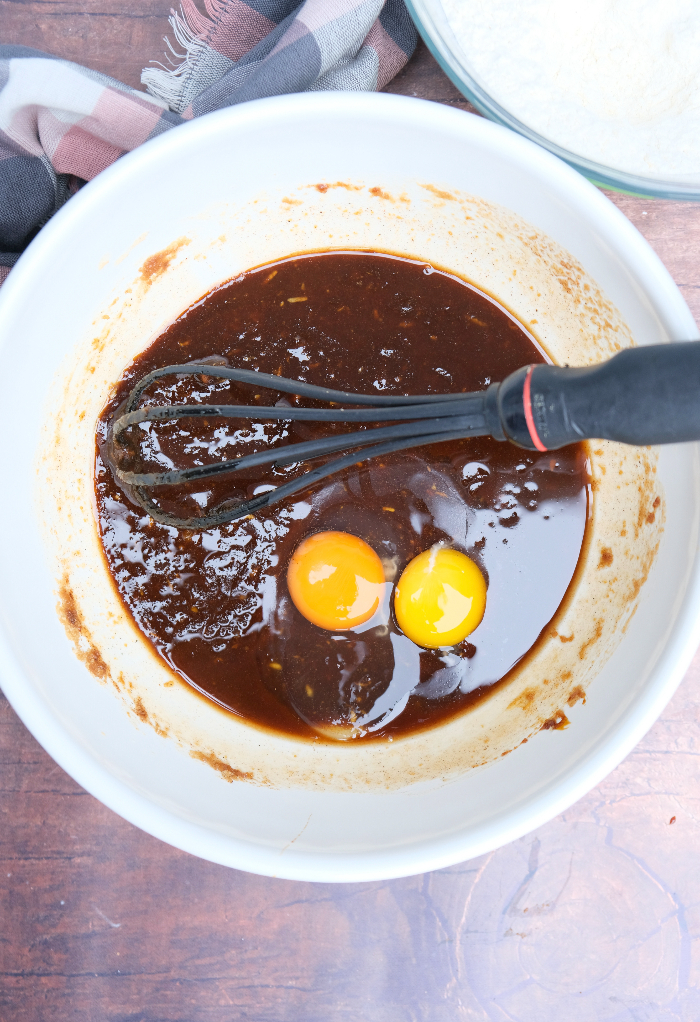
335 580
440 598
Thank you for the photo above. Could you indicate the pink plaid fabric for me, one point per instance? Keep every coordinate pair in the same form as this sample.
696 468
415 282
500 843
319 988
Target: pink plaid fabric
61 124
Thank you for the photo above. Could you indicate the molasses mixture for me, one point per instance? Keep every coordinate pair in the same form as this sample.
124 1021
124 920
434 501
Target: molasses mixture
215 604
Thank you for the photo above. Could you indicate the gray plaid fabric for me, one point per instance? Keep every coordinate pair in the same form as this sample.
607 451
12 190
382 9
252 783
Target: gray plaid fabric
61 124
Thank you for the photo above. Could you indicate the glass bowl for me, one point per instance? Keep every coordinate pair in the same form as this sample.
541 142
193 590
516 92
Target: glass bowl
432 23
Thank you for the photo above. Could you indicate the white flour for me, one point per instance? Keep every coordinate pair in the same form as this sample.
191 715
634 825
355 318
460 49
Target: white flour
617 81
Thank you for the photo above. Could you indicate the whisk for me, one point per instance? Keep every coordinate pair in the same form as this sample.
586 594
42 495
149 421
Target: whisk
646 395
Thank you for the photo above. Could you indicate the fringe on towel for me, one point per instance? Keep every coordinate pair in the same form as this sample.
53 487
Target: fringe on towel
191 30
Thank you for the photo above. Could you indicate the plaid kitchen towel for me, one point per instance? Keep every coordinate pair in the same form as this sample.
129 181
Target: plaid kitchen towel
61 124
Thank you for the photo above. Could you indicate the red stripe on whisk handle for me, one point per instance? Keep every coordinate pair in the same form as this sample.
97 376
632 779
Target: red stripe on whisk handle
527 404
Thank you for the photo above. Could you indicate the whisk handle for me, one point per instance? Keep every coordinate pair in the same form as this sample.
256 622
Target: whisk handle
647 395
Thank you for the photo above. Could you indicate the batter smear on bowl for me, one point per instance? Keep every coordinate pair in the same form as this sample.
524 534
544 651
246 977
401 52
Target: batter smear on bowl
217 606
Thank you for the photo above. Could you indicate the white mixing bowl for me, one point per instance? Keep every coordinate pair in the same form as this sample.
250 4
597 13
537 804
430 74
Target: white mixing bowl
135 248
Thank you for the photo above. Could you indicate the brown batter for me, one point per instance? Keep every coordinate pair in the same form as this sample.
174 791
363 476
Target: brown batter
215 604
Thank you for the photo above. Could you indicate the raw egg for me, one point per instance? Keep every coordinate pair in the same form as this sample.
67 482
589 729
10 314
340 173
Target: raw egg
440 598
335 580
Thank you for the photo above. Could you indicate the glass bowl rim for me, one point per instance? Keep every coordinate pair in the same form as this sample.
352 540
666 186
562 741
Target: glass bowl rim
605 177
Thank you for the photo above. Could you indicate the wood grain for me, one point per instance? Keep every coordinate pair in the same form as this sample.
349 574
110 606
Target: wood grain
117 37
98 921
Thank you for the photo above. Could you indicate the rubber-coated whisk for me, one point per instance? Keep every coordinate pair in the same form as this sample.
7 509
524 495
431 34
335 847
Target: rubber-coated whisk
646 395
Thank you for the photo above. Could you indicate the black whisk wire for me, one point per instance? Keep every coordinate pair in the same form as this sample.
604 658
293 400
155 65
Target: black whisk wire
432 418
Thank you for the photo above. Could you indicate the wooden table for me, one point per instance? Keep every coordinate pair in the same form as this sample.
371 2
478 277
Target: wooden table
98 921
